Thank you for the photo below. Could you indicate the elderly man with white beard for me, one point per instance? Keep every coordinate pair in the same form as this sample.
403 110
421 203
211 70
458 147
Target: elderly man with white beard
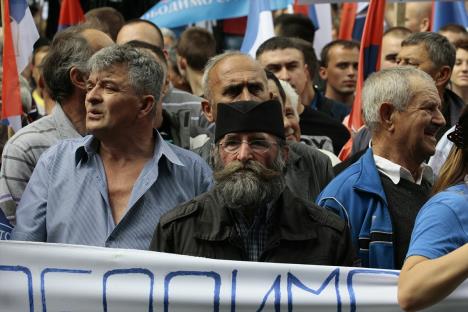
250 214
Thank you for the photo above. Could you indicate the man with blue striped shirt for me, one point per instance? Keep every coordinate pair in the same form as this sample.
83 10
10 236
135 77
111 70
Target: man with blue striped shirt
110 188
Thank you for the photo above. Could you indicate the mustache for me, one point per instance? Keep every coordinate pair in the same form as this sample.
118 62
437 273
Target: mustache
263 173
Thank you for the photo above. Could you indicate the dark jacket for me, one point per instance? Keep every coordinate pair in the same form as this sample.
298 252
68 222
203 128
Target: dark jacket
301 232
332 108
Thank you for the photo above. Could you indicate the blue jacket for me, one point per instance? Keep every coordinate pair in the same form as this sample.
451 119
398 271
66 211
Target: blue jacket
357 195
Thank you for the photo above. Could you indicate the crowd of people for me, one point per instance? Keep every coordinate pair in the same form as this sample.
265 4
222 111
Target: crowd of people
136 139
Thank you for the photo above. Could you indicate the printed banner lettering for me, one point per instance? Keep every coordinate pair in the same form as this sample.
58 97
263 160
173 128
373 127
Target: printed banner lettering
53 277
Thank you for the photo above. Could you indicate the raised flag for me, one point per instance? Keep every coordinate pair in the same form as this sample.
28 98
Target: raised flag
71 13
19 35
347 19
369 62
445 13
353 16
323 32
307 10
259 26
369 55
174 13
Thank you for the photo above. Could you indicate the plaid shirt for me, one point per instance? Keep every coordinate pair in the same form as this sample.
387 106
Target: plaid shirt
253 236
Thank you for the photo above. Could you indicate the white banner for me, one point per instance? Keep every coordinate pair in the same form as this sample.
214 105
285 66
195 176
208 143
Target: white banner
49 277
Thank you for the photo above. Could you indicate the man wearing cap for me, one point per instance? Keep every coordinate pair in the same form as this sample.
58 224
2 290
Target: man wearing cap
234 76
250 214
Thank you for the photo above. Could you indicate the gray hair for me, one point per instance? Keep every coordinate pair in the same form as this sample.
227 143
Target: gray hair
392 85
440 50
292 95
68 49
145 74
212 62
250 185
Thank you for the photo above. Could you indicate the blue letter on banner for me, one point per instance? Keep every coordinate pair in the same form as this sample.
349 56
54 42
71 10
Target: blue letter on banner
47 270
292 280
215 276
276 287
349 282
128 271
26 271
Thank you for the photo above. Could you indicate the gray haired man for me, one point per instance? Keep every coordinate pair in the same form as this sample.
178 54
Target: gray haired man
110 188
381 194
65 73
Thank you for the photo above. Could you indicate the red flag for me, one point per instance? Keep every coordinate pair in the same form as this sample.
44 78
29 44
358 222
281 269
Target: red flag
347 18
11 98
369 62
71 13
369 56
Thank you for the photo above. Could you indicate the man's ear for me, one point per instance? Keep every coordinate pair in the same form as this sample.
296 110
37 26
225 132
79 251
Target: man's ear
443 76
182 62
166 55
424 25
147 105
77 78
387 115
182 65
208 111
323 73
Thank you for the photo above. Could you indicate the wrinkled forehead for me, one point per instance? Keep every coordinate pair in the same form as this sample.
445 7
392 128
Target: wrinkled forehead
236 69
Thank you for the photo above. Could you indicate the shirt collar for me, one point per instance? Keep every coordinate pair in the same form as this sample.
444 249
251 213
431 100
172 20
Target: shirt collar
396 172
90 146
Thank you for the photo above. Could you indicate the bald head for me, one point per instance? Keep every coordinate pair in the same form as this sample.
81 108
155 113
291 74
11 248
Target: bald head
418 16
231 77
143 31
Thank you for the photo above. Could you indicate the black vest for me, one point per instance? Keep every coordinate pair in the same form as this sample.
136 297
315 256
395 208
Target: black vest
404 201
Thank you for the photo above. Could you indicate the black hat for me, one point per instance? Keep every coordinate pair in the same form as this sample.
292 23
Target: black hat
249 116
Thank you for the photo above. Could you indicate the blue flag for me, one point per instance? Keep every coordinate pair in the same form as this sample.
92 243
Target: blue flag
259 26
174 13
5 227
312 12
449 13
